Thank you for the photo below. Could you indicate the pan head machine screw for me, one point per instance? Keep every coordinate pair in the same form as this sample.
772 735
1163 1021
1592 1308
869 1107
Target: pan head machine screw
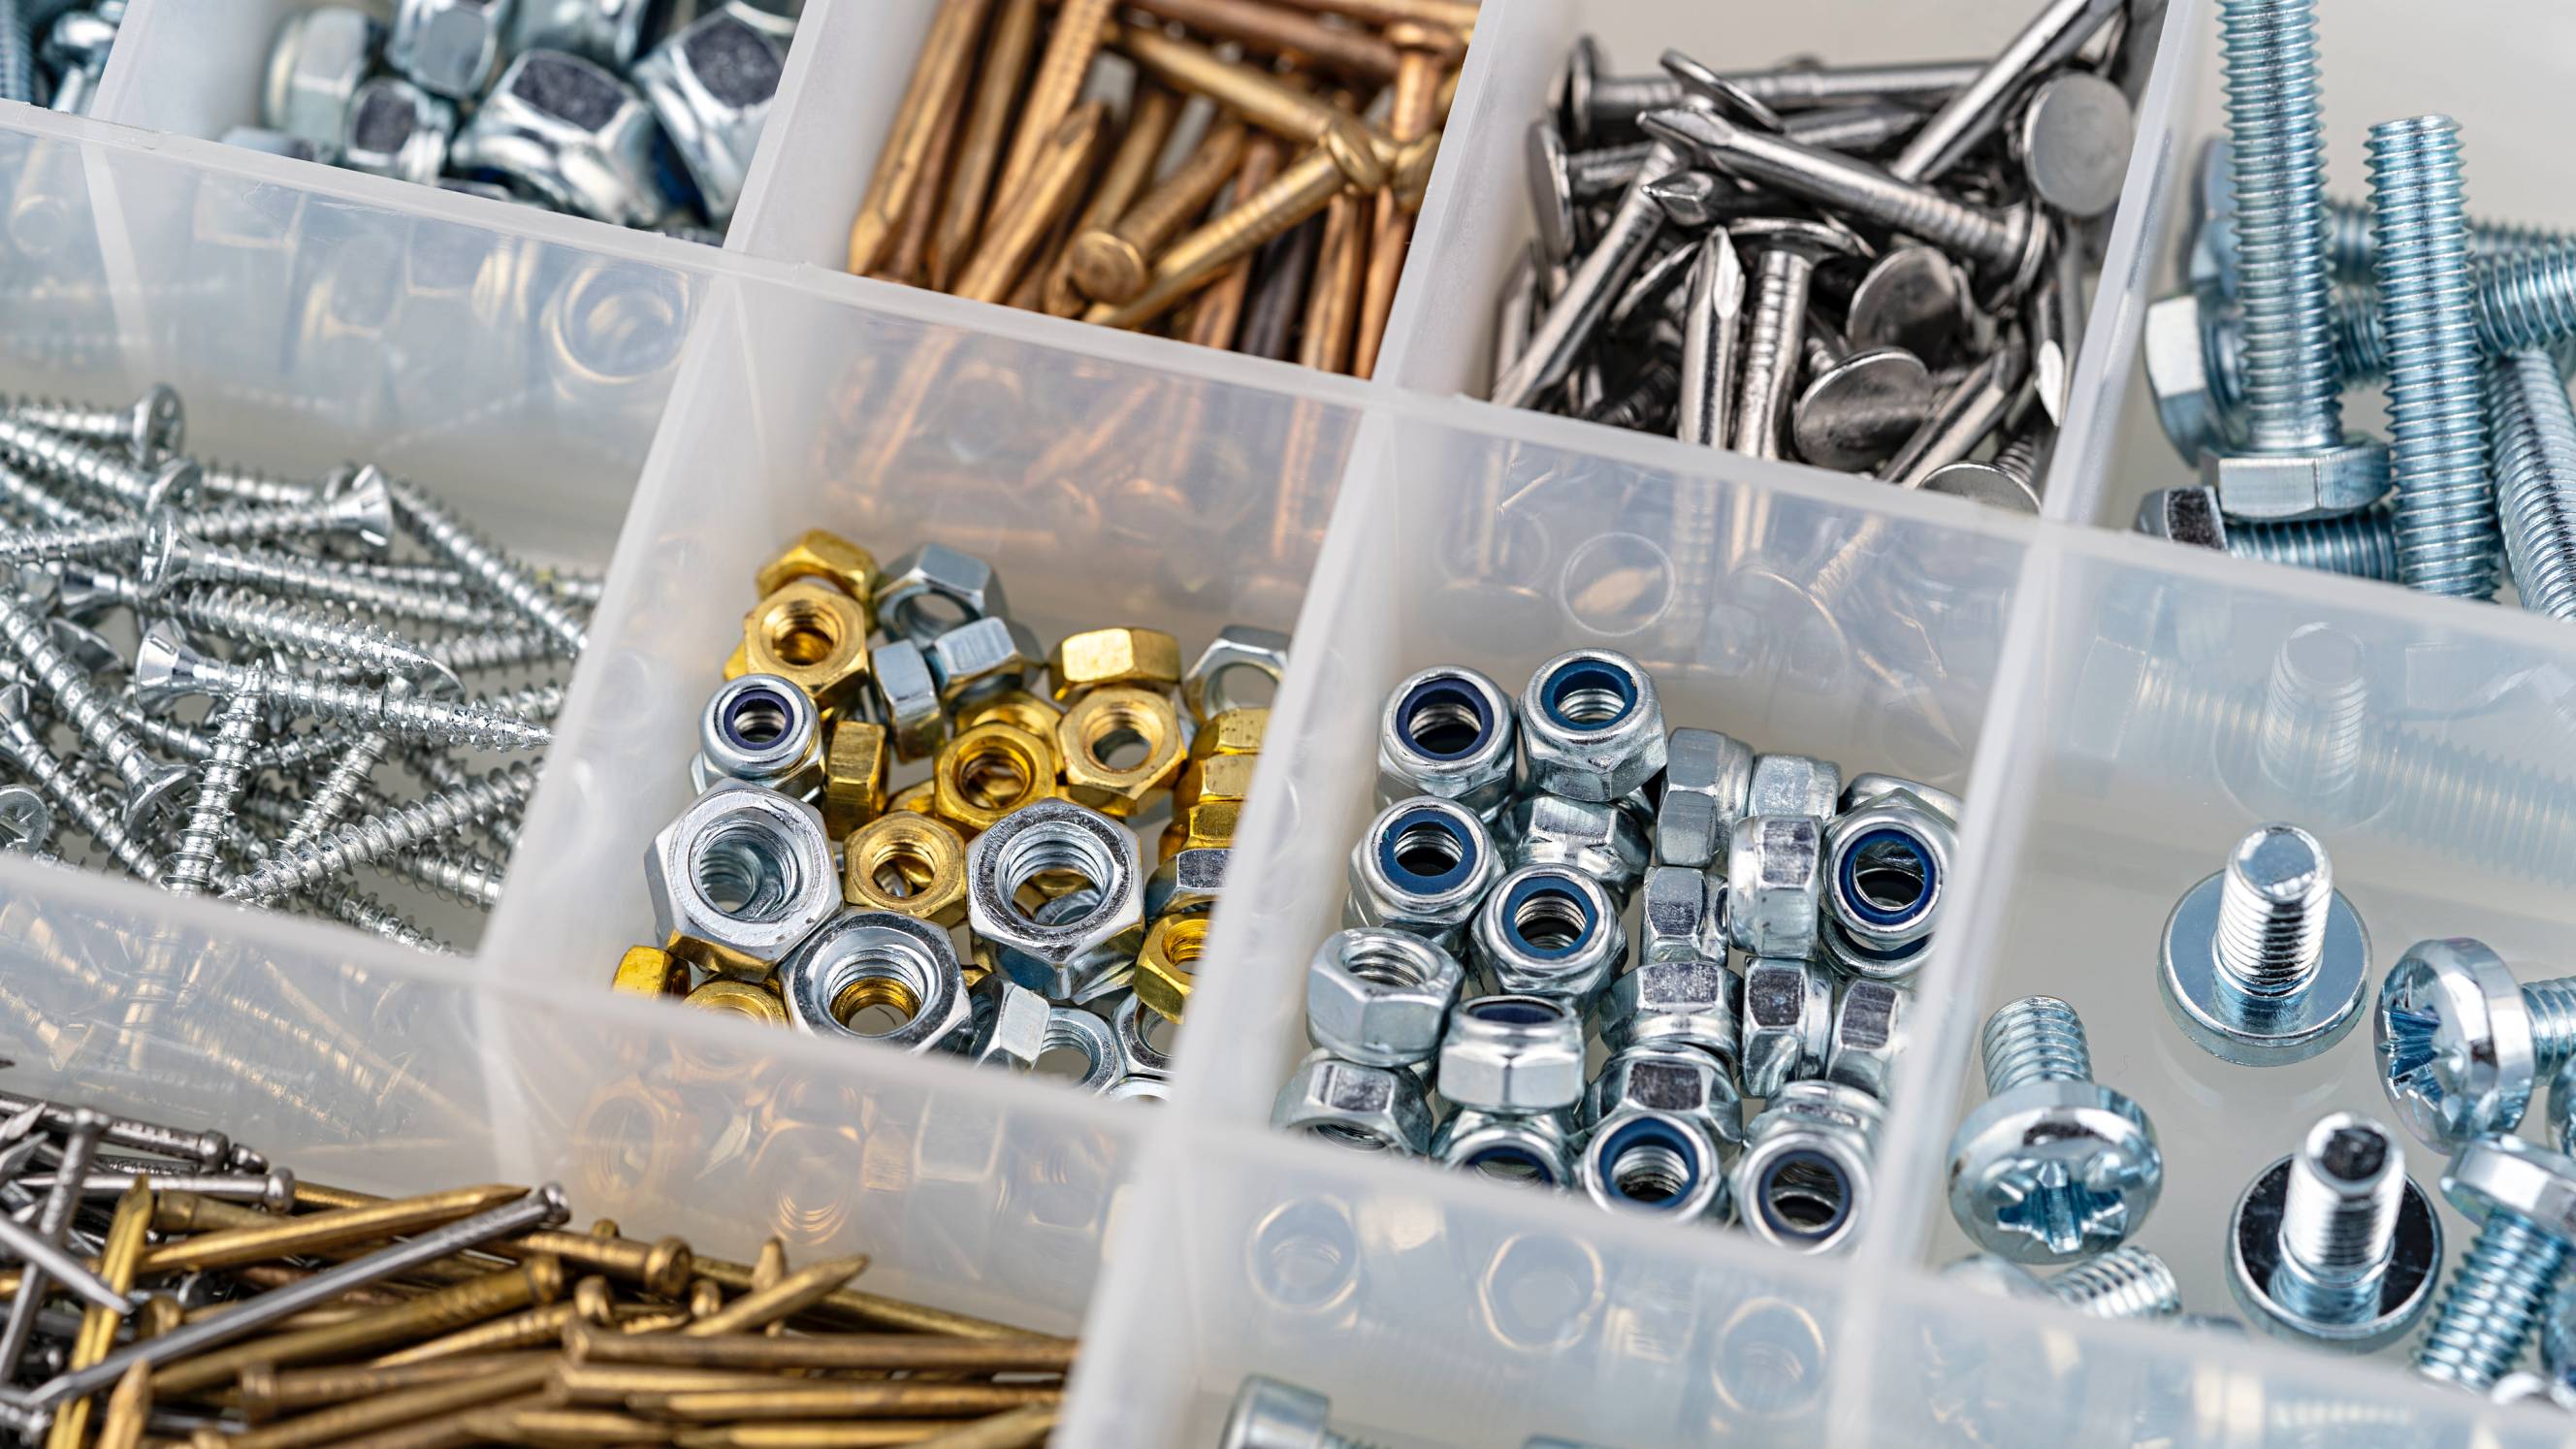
2461 1043
2052 1167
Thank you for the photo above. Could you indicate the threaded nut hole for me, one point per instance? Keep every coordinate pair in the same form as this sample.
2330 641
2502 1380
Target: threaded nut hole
1429 848
1550 920
801 633
746 872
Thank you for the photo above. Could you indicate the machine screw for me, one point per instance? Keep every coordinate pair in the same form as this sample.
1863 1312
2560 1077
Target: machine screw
1271 1414
2531 433
190 869
2335 1243
2525 1197
2126 1282
2266 963
167 668
2051 1167
2461 1043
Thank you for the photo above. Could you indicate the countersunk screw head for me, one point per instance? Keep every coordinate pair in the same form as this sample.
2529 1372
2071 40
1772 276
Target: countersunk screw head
2054 1171
2454 1042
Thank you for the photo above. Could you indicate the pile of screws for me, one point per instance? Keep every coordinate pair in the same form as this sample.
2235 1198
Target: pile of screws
289 579
223 1299
62 73
1281 219
1514 835
2294 297
1876 269
797 890
566 104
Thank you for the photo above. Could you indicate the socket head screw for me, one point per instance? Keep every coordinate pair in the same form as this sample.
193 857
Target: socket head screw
2335 1244
2266 963
2053 1166
2454 1040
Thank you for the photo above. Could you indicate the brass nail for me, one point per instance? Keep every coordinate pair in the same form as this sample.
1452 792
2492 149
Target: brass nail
587 1384
932 93
1052 93
591 1302
1412 113
1272 30
1131 166
116 1264
910 257
1017 1429
1280 270
906 1352
1113 264
290 1237
797 1290
767 1272
865 1434
1218 313
1458 15
1332 298
856 1307
403 1407
474 1301
549 1427
606 1228
1007 49
1035 209
662 1267
843 1401
129 1404
1262 98
450 1430
264 1391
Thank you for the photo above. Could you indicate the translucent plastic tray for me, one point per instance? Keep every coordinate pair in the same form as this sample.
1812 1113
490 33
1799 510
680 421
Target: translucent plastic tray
671 412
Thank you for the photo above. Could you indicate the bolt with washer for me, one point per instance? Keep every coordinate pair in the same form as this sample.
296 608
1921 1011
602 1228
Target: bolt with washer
2334 1243
2266 963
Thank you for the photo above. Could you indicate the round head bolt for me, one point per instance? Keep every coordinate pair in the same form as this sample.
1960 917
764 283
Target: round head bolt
1788 1024
571 135
2184 515
1672 1079
1368 1109
711 84
2335 1244
1695 1003
1775 884
1520 1054
1591 726
2461 1044
2266 963
1886 869
2051 1167
1447 732
1707 777
1546 930
315 66
1380 997
1239 660
450 47
2524 1200
398 129
1424 865
1603 839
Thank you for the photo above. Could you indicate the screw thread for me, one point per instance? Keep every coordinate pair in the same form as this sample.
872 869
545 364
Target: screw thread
2019 459
339 789
2339 1217
2362 544
2552 1005
464 725
88 711
2446 532
499 574
87 422
575 585
258 523
51 452
445 773
460 876
302 578
78 540
2558 1331
1650 396
251 485
2035 1039
17 54
295 867
2316 714
2277 134
2489 1311
1993 239
28 496
538 703
245 616
2273 900
190 869
2351 249
2126 1282
2531 433
492 649
57 779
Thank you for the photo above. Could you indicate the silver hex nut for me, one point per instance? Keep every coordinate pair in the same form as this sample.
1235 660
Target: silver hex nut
1448 732
1793 785
1513 1054
1788 1024
1131 1029
880 958
1681 915
450 47
1509 1146
1423 866
319 59
933 589
908 697
2176 342
1210 684
1775 885
1868 1034
1010 1024
1886 872
1187 882
397 129
1547 930
1591 726
1603 839
1062 954
983 658
571 135
1694 1002
740 878
712 84
1707 778
1672 1079
1377 1109
1380 997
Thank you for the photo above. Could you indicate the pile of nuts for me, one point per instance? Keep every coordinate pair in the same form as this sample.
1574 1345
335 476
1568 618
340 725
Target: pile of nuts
63 71
1875 269
1281 221
797 889
356 603
565 104
1486 950
2293 296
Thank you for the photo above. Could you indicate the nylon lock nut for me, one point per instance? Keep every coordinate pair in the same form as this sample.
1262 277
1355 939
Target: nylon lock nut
711 85
1694 1002
319 60
450 47
1788 1024
565 132
1670 1079
1374 1109
1775 884
1380 997
1886 868
397 129
763 730
1805 1180
1423 866
1448 733
1591 726
1603 839
1517 1054
1511 1146
1707 779
1545 930
1681 915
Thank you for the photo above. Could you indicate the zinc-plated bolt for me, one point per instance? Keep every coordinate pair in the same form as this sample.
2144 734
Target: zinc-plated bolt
2052 1166
149 784
189 870
17 54
2525 1196
500 575
2362 544
2316 715
2334 1243
136 488
2531 433
166 668
2126 1282
151 428
1775 327
2461 1043
170 555
2446 520
293 868
2266 963
1271 1414
1572 318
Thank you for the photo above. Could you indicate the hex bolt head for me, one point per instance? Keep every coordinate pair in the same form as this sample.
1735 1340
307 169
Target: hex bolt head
2276 901
2335 1244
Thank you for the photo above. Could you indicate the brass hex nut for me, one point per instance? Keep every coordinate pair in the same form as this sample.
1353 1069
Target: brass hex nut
913 865
1168 965
1231 732
1219 777
738 663
921 799
821 554
988 772
1034 713
1111 719
650 971
747 999
1098 658
854 776
814 635
1208 825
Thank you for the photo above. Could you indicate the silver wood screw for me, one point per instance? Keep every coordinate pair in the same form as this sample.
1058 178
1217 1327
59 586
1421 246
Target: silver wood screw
190 869
170 555
166 668
499 574
149 785
152 427
136 488
292 868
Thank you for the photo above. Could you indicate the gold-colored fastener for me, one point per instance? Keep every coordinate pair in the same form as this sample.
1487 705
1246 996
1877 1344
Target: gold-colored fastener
854 775
1121 748
1168 965
740 998
650 971
1231 732
989 771
1097 658
914 865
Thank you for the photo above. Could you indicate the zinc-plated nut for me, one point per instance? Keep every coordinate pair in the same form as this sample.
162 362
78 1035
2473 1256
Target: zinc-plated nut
908 700
933 589
1788 1024
814 636
608 31
320 58
397 129
1693 1003
2178 340
1423 866
711 84
1707 778
1072 1028
1805 1180
1167 964
451 47
982 658
1511 1146
1187 882
1871 785
1380 997
912 865
1108 720
1793 785
1868 1035
1681 915
1098 658
1059 958
1886 869
2335 1244
1591 726
739 878
1009 1023
817 553
2266 962
2281 487
854 775
1602 839
990 771
565 132
1774 884
1512 1054
1212 685
1373 1109
1545 930
1130 1030
1138 1089
1450 733
862 960
1653 1162
1674 1079
763 730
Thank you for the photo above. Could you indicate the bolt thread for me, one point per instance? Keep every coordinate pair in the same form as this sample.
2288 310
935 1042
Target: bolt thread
2493 1303
57 779
2531 434
2552 1005
2276 129
2446 531
2339 1217
499 575
2362 544
88 711
2272 911
247 617
424 721
2558 1331
2019 459
2035 1039
2126 1282
190 869
251 485
50 452
295 867
17 54
27 496
280 573
492 649
339 789
79 540
2316 714
2352 250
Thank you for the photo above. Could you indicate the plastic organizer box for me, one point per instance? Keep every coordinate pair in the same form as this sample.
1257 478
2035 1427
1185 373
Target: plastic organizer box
672 412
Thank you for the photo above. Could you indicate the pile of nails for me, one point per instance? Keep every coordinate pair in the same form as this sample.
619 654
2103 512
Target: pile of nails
1879 269
1275 203
170 1283
52 52
330 622
2295 296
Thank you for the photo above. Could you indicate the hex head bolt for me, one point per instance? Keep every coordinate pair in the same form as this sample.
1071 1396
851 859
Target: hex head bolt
1271 1414
167 668
492 570
2265 963
2525 1198
2051 1167
1569 322
151 427
135 488
149 784
2461 1043
2126 1282
190 868
2334 1243
1775 330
